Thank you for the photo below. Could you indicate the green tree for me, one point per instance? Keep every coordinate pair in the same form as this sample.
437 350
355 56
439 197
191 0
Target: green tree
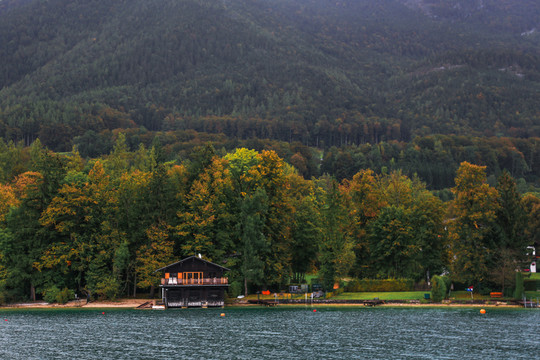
336 254
254 246
531 205
509 232
305 236
393 246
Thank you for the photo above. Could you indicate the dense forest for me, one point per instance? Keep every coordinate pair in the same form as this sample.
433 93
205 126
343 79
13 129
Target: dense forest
101 227
320 73
389 138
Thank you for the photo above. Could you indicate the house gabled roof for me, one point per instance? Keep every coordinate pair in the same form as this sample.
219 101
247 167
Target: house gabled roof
193 257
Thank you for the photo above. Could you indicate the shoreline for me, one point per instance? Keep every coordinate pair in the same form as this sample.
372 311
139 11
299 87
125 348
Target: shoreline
135 303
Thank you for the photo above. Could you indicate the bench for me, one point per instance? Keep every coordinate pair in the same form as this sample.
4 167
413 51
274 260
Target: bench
496 294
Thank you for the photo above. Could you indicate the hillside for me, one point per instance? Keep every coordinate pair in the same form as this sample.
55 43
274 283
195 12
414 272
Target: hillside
320 72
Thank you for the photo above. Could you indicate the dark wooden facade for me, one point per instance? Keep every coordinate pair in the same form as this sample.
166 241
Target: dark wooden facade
193 282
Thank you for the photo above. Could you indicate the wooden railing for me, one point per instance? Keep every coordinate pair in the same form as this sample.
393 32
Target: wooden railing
203 281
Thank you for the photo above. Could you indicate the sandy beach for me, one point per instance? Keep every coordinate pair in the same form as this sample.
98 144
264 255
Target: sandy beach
120 303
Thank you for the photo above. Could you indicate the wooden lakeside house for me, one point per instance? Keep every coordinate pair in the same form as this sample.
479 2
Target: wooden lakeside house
193 282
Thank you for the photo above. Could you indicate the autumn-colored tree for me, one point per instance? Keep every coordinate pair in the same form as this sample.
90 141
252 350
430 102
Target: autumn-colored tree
83 216
406 238
361 198
475 209
250 172
205 225
26 183
24 239
8 200
156 253
396 224
270 176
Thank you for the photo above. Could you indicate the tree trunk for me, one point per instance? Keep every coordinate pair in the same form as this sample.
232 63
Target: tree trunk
152 291
32 292
135 285
245 287
503 276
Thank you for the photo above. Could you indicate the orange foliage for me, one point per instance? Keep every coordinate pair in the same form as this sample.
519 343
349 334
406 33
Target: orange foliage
25 182
7 200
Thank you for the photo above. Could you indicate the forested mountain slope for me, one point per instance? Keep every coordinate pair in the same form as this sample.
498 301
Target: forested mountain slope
320 72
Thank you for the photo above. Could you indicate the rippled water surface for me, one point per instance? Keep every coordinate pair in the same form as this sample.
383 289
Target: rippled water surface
279 333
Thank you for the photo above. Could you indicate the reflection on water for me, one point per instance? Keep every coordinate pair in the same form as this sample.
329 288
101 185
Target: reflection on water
280 333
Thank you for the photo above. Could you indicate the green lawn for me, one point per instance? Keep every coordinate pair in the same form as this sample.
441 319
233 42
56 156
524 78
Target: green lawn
534 276
406 295
466 295
398 295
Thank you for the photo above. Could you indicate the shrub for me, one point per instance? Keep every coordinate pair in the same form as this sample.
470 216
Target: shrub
447 283
108 288
531 284
486 290
65 295
50 294
353 286
438 288
378 285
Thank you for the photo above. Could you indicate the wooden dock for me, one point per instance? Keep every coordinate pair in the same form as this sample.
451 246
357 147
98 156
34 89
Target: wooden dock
373 302
146 305
529 303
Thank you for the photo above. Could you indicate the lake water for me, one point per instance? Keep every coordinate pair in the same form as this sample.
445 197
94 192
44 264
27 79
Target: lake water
276 333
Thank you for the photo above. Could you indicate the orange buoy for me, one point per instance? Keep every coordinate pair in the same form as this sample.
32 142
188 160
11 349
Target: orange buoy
222 314
482 311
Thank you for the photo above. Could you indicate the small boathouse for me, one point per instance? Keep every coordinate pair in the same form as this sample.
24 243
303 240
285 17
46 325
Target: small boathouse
193 282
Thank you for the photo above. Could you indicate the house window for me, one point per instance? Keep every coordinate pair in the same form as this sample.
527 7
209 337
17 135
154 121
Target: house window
192 277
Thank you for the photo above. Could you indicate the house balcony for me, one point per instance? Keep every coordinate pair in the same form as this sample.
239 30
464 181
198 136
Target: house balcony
190 282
